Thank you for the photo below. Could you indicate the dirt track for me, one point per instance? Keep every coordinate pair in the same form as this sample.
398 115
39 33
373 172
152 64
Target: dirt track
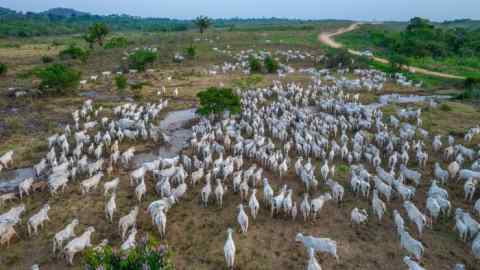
327 39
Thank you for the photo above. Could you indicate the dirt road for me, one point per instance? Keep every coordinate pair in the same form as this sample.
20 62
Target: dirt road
327 39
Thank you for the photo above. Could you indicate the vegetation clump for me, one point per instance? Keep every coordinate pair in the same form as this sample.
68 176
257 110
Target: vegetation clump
218 100
74 52
3 69
397 62
191 52
47 59
58 78
96 34
116 42
141 58
271 65
445 107
144 256
121 82
255 65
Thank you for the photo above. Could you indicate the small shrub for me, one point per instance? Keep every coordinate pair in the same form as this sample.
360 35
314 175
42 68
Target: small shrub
3 69
445 107
47 59
271 65
343 169
140 59
116 42
56 43
58 78
74 52
191 52
218 100
255 65
121 82
14 124
468 94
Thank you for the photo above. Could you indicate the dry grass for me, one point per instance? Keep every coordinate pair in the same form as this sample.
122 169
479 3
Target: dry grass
196 234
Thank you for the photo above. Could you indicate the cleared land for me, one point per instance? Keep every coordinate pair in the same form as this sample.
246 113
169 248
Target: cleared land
196 234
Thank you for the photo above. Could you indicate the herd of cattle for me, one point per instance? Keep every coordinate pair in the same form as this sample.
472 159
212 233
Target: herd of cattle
286 129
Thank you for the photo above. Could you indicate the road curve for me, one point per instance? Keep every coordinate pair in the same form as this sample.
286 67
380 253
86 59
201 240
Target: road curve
327 39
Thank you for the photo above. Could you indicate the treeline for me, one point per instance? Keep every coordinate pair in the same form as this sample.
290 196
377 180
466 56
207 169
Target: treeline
28 25
422 39
67 21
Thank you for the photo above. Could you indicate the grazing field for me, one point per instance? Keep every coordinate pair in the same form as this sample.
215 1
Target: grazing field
301 104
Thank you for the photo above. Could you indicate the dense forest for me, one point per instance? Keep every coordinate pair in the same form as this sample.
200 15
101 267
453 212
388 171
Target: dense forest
68 21
423 39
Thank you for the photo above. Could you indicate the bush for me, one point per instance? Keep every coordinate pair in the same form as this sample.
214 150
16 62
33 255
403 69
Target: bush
471 82
139 59
397 61
340 58
58 78
141 257
3 69
47 59
271 65
445 107
14 124
116 42
74 52
468 94
121 82
191 52
218 100
254 64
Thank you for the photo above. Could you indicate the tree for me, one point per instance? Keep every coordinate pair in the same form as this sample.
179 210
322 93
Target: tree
339 58
96 33
218 100
202 23
139 59
397 62
254 64
58 78
271 65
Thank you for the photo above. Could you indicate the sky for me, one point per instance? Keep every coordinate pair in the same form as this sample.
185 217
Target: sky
380 10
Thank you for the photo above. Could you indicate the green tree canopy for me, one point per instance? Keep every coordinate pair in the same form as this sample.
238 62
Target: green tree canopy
218 100
96 33
141 58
